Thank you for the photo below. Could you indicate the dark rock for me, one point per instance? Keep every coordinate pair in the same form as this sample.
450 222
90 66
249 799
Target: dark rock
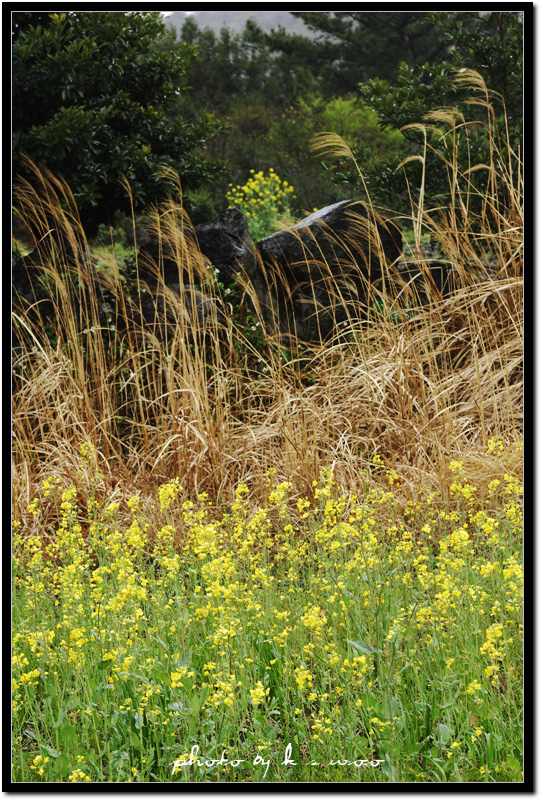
430 274
160 262
422 278
36 294
26 272
162 311
54 248
226 243
140 237
316 275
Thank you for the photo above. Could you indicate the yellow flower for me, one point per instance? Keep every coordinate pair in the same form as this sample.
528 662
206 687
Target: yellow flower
314 619
33 507
303 678
177 677
78 775
29 678
495 447
87 450
168 492
259 694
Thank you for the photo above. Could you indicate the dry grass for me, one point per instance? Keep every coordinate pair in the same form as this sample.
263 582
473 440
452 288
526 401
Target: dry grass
162 400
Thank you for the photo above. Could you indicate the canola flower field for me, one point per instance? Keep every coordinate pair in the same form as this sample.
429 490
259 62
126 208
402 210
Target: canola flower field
332 638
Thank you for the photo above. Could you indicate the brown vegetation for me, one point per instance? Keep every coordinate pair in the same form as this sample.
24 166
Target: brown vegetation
425 379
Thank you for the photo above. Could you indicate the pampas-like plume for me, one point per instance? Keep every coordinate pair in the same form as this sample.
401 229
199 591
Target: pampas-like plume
427 378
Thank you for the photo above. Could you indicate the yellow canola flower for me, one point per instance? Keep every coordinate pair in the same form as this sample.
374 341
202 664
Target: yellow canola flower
495 447
259 694
303 678
78 775
30 678
168 492
262 199
178 676
314 619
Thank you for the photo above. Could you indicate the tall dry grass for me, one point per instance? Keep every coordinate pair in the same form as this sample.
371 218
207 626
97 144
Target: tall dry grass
169 398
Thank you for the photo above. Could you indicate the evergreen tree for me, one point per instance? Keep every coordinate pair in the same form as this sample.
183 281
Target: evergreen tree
354 46
92 100
489 43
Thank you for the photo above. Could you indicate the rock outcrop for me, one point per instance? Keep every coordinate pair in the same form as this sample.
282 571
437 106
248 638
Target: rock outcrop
165 310
224 241
308 279
316 275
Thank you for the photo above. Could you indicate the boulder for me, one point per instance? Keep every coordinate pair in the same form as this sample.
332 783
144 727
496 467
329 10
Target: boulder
431 276
160 262
163 311
55 247
36 293
224 241
317 273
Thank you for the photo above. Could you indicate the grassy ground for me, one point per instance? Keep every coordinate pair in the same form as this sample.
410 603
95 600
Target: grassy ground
224 546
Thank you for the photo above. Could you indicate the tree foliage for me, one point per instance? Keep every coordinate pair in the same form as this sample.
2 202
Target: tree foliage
92 100
385 70
491 44
354 46
100 95
234 68
274 105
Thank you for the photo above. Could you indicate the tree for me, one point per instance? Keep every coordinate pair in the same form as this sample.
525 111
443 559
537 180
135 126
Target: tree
22 20
404 65
288 144
489 43
354 46
232 67
253 90
92 100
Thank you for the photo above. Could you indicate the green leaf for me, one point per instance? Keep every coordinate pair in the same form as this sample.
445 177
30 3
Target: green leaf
68 734
443 734
62 765
391 708
388 769
162 676
199 700
364 647
514 764
52 751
